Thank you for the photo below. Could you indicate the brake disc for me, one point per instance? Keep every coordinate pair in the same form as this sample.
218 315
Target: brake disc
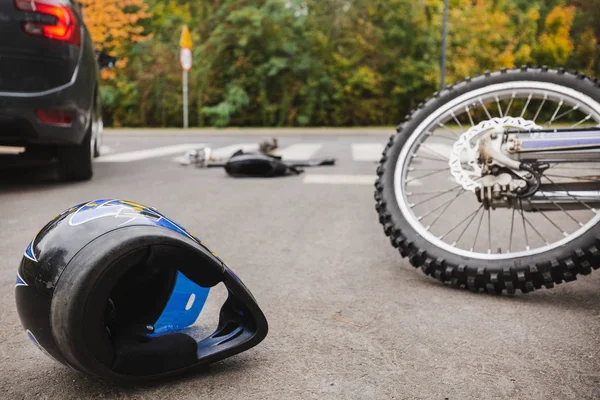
465 161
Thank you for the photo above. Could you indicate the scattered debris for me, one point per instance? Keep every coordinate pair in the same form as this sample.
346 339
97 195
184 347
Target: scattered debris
338 317
264 164
268 146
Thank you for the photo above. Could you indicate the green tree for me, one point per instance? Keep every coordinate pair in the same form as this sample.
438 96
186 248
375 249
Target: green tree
329 63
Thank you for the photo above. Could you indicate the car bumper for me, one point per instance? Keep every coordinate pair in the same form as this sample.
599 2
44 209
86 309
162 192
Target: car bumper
20 126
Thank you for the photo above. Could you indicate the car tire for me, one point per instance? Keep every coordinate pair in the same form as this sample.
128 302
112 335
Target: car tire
75 161
98 138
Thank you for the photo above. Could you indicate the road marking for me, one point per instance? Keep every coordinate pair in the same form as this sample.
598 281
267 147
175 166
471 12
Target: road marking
105 150
148 153
299 151
340 179
227 151
367 151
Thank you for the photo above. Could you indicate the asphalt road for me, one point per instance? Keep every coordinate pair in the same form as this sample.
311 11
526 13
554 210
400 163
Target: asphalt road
349 319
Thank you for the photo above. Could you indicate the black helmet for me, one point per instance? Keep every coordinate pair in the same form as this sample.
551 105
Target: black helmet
113 288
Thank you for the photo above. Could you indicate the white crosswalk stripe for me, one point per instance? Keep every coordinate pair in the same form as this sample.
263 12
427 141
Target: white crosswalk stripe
227 151
340 179
361 152
367 151
301 151
223 153
139 155
105 150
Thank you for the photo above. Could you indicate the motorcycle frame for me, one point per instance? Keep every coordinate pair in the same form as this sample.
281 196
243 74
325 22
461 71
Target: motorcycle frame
565 145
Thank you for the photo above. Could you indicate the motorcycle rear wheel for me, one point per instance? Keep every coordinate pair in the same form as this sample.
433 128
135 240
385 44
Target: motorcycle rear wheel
475 269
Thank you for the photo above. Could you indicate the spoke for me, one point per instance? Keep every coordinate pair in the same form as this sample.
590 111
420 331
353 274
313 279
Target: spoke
524 227
485 108
468 111
477 233
424 146
499 108
420 218
436 196
565 234
452 139
540 109
472 216
563 210
489 231
570 195
536 231
582 121
426 175
431 134
440 124
434 192
575 107
456 119
445 208
592 178
560 103
512 225
526 104
411 169
510 103
427 158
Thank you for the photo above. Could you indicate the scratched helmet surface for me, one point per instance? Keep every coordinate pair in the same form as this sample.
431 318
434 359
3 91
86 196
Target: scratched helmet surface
113 289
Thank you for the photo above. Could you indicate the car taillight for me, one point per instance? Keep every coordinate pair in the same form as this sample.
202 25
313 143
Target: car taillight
66 27
54 117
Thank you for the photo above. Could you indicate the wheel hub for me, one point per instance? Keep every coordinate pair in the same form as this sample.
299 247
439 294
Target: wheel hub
467 164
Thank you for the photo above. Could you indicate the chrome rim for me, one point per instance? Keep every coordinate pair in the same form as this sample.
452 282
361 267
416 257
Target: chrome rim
451 218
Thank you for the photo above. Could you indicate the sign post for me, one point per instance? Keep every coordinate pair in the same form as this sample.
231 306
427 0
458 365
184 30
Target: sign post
186 63
444 44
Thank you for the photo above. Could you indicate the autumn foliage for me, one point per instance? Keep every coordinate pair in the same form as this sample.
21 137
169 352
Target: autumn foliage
114 26
323 63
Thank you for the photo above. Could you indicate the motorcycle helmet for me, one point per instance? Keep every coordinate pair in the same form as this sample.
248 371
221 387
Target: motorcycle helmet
112 288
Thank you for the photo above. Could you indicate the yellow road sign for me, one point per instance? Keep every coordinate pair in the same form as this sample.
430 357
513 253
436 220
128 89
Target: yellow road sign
186 38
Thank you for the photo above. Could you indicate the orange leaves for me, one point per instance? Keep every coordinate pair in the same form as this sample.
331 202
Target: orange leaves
481 37
114 24
488 34
560 19
555 43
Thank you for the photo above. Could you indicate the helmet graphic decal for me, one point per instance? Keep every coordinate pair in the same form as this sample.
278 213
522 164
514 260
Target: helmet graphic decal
20 281
29 251
39 346
127 211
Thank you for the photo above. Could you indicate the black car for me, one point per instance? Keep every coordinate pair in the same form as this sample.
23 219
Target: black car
49 76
